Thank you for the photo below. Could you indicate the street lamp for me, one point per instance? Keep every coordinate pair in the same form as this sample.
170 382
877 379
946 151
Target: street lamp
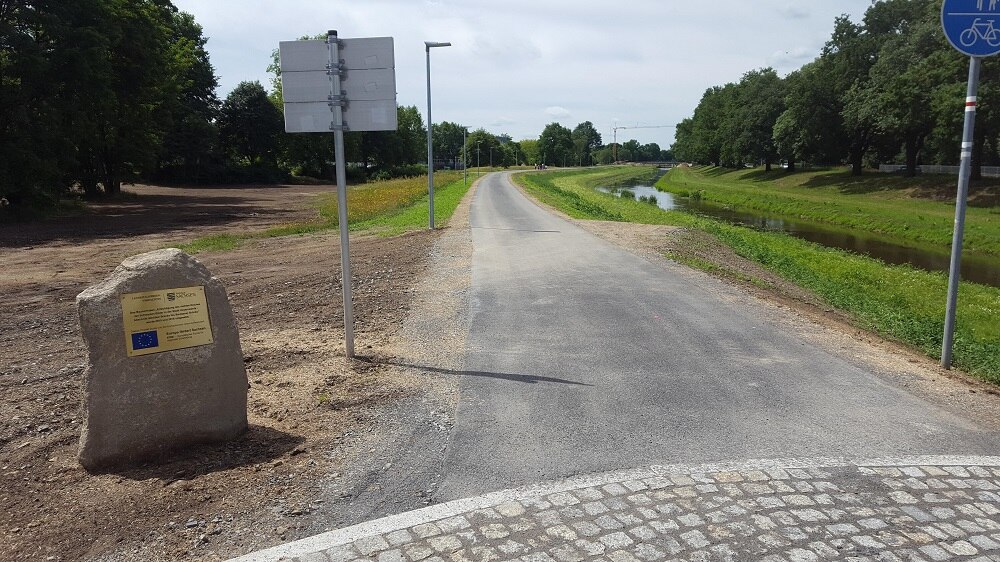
430 130
478 167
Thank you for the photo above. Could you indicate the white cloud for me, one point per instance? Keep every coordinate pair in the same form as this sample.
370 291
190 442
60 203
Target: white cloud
792 59
795 12
558 112
645 61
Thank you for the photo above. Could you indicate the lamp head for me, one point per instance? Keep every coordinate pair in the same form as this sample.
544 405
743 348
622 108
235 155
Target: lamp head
429 44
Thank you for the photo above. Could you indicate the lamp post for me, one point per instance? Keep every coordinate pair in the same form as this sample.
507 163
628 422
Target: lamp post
478 167
465 155
430 130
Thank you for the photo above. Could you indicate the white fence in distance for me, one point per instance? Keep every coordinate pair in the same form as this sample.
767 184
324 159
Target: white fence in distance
988 171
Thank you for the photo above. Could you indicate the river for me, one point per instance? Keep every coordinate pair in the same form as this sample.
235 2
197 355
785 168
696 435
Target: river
975 268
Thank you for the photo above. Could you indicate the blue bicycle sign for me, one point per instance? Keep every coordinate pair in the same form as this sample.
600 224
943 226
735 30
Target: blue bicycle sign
980 30
972 26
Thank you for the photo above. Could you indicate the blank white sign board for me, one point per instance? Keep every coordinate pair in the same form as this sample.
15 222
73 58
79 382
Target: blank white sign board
368 83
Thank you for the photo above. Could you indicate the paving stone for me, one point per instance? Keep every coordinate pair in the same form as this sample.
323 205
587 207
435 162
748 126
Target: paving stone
426 530
567 553
537 557
494 531
802 555
615 489
417 552
368 546
621 556
695 538
616 540
562 499
394 555
445 543
313 557
935 552
591 548
510 509
912 513
511 547
341 553
561 532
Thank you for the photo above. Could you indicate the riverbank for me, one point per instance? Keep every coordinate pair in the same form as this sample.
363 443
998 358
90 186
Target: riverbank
899 302
918 212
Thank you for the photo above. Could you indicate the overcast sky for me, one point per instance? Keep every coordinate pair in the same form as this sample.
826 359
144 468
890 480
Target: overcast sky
516 65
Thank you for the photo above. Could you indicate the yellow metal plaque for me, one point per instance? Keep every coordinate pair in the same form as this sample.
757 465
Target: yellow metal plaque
158 321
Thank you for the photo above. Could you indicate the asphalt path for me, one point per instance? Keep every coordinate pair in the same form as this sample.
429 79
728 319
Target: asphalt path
582 357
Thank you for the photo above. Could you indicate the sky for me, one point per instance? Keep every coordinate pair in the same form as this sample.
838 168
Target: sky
516 65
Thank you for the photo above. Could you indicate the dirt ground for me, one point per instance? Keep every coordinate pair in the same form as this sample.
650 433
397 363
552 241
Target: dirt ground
305 400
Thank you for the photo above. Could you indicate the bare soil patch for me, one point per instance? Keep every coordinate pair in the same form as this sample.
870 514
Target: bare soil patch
311 411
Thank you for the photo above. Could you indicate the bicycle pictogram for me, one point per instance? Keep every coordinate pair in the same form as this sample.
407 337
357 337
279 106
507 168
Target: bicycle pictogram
981 29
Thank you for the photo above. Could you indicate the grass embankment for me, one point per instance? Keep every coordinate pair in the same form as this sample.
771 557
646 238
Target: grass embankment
896 301
385 208
916 212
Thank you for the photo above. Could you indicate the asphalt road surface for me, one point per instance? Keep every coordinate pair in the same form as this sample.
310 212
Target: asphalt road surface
582 358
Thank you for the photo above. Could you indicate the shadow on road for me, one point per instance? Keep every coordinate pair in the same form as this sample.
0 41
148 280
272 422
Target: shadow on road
527 379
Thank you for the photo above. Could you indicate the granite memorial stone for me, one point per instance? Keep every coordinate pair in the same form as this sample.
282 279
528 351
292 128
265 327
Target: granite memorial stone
165 366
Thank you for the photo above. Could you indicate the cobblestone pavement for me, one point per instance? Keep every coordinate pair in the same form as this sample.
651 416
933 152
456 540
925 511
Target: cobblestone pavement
915 509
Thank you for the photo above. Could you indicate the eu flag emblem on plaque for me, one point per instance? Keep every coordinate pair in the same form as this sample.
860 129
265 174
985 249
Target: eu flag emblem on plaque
145 340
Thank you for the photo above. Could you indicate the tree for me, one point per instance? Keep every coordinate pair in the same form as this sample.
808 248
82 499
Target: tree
128 116
191 138
908 68
480 142
555 144
510 154
529 148
34 152
448 138
586 140
630 151
249 125
702 139
405 146
848 57
759 103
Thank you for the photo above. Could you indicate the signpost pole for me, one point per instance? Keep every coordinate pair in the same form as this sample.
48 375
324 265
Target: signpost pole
336 103
964 172
430 141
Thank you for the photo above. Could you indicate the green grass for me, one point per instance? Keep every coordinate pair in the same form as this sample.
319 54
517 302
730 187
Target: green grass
896 301
385 208
892 208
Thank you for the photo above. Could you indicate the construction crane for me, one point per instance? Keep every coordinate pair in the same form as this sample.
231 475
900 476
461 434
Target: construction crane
614 133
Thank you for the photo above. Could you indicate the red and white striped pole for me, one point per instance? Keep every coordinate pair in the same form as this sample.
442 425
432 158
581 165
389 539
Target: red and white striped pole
960 205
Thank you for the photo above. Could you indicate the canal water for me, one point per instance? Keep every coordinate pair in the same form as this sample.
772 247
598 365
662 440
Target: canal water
975 268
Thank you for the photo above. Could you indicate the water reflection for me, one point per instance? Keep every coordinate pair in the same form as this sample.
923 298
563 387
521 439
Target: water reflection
975 268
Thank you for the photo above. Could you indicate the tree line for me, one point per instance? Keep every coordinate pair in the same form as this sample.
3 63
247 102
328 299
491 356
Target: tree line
97 93
888 89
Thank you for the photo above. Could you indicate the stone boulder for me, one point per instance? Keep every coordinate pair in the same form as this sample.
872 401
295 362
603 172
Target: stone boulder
143 407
